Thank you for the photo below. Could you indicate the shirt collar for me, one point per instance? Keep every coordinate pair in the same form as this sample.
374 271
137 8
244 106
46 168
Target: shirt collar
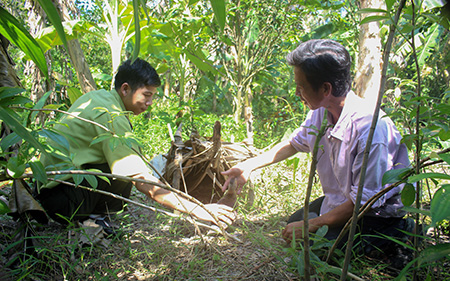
349 109
119 99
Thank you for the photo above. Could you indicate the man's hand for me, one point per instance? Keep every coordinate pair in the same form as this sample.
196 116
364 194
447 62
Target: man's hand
296 229
238 175
224 214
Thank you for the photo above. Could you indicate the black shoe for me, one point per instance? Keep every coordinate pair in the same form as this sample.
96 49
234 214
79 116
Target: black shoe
110 228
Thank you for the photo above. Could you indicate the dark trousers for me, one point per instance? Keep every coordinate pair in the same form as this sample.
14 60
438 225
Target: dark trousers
65 203
370 229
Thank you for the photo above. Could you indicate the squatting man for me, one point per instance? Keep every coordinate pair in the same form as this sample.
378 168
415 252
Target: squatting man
135 86
323 82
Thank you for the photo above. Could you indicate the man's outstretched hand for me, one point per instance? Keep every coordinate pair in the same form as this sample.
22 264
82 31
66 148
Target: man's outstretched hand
238 175
224 214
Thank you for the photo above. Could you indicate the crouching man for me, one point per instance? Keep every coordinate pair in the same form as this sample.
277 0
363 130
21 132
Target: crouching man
135 86
323 82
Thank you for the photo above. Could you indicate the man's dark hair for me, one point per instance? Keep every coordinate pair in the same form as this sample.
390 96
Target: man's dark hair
323 60
137 74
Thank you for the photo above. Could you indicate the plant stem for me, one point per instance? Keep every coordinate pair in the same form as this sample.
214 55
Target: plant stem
312 172
417 140
387 50
120 177
191 220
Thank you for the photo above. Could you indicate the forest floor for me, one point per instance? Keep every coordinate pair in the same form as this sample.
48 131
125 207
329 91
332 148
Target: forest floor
156 247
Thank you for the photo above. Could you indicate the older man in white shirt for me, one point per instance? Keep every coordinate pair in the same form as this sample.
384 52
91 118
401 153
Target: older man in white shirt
322 76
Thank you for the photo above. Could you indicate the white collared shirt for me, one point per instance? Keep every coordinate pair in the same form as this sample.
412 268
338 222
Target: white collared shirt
341 154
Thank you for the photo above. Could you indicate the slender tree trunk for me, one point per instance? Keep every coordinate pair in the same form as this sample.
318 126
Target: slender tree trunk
40 85
369 63
87 83
8 76
248 116
166 86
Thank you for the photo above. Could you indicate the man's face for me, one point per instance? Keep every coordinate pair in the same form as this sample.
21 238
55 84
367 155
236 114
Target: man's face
139 100
310 97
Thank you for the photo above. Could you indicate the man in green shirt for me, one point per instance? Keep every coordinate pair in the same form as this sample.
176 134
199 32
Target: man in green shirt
101 113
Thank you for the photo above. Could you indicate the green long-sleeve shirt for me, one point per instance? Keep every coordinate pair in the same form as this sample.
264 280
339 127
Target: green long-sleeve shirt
107 109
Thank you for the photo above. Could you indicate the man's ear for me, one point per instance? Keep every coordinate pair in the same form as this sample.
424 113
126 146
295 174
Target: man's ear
327 88
125 89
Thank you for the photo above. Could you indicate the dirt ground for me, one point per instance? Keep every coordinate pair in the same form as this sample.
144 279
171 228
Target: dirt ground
153 246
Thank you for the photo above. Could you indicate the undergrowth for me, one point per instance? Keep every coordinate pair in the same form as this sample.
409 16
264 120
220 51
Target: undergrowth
156 247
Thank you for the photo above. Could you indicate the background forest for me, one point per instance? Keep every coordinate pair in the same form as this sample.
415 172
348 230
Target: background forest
221 61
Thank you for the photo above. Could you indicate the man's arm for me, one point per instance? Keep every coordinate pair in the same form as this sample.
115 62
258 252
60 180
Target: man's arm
171 200
242 171
334 218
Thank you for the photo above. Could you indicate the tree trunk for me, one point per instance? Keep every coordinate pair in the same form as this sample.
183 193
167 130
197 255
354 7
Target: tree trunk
87 83
369 63
8 76
40 85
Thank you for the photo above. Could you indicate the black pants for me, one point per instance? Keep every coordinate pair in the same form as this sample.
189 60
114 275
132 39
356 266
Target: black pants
370 229
65 203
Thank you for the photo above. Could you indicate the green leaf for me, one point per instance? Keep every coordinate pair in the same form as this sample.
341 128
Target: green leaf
373 18
53 106
323 31
4 209
19 36
394 175
78 179
102 76
58 140
137 30
38 171
417 178
53 17
389 4
6 92
371 10
15 167
100 177
16 100
408 194
40 104
20 130
101 138
322 230
444 135
445 157
430 41
434 253
201 63
218 7
417 211
9 140
113 143
440 205
432 4
92 180
74 94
